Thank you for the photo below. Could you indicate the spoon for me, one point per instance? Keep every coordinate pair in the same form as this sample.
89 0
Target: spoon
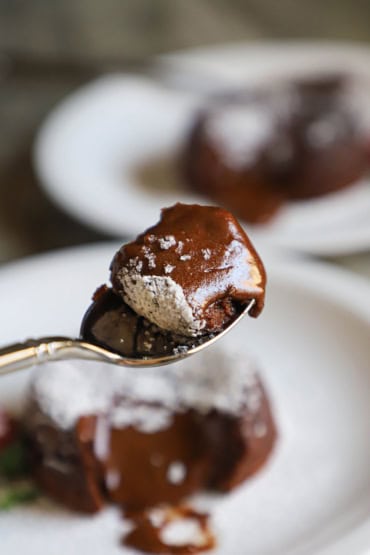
37 351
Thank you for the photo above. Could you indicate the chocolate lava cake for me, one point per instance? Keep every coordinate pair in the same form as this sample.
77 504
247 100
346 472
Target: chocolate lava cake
99 434
251 151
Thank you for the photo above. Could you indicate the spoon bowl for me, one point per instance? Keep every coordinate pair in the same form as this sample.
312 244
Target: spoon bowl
37 351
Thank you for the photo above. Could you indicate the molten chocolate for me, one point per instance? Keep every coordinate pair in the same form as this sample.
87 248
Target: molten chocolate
137 465
199 259
138 453
111 323
253 151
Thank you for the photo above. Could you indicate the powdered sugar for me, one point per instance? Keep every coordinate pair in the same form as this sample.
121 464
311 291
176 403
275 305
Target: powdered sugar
183 531
145 418
239 132
206 254
168 268
161 301
217 379
180 246
150 256
176 472
167 242
224 381
137 264
66 391
260 429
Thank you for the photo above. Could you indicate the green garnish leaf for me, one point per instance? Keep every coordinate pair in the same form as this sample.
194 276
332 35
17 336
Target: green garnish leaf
13 460
17 495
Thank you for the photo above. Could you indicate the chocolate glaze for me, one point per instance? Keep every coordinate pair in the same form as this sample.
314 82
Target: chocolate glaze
290 163
211 259
146 536
109 322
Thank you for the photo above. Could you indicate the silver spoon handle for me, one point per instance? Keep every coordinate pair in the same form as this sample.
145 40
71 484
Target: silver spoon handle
37 351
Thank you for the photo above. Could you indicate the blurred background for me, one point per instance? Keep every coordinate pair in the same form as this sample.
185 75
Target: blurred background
48 49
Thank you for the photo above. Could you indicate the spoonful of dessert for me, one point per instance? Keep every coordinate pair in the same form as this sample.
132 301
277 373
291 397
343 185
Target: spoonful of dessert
176 289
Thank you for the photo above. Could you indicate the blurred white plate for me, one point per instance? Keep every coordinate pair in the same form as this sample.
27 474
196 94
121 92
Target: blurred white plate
313 345
88 149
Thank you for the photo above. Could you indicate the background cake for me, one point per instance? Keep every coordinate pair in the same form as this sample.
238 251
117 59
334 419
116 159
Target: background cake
253 150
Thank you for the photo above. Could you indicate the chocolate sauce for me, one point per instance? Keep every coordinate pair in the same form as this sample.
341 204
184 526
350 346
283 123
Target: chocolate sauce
146 533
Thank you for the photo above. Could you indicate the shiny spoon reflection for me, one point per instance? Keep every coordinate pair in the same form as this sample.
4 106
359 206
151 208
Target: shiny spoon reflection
37 351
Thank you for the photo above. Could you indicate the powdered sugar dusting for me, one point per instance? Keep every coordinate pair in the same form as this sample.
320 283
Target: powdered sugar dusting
161 301
225 382
239 132
65 391
145 418
260 429
180 246
206 254
150 256
176 472
136 263
217 379
168 268
183 532
167 242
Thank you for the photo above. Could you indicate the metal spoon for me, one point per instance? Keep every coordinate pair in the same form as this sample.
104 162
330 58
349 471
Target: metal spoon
37 351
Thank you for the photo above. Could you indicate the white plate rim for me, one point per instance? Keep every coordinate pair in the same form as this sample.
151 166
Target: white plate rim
357 236
314 275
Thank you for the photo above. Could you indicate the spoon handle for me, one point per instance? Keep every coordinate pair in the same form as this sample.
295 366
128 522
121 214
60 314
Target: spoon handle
37 351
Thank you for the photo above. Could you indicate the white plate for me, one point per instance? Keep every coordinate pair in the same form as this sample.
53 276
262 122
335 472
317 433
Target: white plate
313 498
88 148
